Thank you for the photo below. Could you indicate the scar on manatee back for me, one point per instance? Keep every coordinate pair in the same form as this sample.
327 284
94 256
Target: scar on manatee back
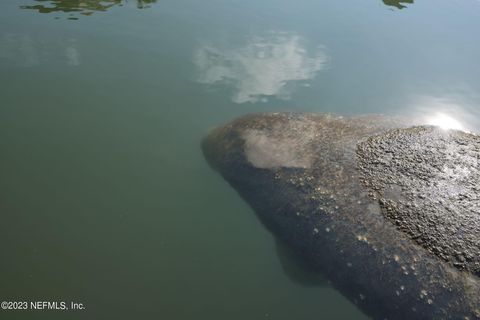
264 151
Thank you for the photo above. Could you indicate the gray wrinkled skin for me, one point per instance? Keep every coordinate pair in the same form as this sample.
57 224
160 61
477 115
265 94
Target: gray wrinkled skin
337 192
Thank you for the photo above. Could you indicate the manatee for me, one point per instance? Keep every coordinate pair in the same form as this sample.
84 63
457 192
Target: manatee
387 212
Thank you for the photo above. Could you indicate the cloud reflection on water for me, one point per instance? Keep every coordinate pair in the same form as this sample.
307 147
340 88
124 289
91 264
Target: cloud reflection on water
266 66
24 50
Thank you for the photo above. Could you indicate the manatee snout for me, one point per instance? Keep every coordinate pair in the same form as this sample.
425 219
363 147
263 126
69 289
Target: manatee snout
209 145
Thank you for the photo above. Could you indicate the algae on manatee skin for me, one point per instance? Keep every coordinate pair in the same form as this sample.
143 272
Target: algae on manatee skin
426 180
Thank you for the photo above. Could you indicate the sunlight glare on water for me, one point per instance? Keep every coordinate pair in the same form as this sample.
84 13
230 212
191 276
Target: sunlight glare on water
447 113
445 122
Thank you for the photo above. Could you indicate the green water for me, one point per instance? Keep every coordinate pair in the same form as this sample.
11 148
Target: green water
105 197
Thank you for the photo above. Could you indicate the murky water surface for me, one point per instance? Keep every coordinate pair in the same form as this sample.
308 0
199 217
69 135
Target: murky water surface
104 194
